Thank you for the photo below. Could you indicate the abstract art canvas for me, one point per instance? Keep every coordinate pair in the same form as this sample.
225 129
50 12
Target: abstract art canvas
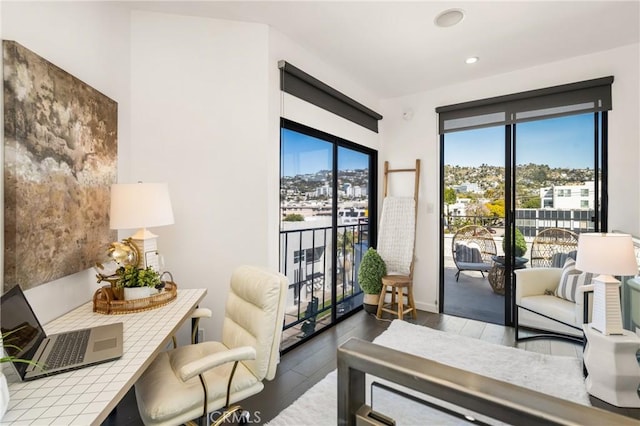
60 158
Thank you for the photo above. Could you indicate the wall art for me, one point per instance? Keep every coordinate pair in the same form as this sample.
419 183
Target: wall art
60 159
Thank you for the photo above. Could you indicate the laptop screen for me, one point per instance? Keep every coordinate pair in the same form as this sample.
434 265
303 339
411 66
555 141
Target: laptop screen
20 326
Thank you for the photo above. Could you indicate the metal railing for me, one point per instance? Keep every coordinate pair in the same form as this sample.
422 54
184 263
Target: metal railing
306 259
531 221
492 398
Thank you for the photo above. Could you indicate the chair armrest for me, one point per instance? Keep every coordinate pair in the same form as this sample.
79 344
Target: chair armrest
534 281
584 303
580 292
208 362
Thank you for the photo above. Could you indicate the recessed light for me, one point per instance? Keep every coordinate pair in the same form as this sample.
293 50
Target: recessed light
449 18
471 60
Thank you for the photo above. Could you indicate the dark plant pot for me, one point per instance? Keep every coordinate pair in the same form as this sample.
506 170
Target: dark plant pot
370 303
370 309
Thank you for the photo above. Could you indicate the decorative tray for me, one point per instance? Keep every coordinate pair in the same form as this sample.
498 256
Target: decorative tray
104 301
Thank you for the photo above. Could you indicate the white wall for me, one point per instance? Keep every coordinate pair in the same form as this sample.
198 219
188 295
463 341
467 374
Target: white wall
91 42
403 140
199 92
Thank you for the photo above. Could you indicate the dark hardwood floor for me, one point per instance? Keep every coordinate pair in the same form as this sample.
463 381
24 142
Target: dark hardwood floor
305 365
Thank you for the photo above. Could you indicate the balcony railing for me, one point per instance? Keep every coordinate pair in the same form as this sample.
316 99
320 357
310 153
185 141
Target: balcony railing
530 221
306 258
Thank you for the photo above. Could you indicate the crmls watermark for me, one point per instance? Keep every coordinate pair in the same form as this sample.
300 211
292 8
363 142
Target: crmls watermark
238 417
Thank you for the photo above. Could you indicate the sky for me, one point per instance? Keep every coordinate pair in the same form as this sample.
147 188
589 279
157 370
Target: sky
302 154
565 142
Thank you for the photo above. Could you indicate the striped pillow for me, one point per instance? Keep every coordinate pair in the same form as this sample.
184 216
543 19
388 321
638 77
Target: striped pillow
569 281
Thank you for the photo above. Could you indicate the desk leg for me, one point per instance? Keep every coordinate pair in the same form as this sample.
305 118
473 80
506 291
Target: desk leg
194 330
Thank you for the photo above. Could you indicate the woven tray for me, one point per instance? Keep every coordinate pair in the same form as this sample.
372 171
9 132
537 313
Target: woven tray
104 301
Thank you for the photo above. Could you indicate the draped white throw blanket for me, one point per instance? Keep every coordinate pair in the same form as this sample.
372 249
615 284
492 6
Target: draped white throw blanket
396 234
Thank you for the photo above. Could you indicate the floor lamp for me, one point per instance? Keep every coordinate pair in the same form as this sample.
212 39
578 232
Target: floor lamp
142 205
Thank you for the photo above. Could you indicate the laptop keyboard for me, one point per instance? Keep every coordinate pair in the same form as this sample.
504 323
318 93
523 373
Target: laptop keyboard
68 349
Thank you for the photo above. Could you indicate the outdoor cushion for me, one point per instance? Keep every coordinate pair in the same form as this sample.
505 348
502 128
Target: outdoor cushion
468 254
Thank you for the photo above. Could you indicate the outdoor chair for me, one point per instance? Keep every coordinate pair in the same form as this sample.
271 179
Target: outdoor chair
472 247
552 246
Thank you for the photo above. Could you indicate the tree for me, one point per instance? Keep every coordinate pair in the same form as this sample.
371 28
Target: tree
531 203
293 217
450 196
496 209
477 209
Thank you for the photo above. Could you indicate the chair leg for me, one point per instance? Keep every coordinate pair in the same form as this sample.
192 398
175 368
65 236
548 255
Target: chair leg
515 322
412 303
393 297
383 294
457 275
400 293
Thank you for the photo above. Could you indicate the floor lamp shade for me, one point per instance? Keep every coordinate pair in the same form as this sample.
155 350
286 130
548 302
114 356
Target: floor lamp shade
606 255
141 206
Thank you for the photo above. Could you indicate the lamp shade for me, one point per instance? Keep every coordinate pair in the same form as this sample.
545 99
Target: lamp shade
140 205
606 254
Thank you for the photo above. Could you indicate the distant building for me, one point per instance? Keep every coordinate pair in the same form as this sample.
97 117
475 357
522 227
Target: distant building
467 187
568 196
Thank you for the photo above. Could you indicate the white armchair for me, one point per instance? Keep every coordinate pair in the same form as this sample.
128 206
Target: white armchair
538 308
191 381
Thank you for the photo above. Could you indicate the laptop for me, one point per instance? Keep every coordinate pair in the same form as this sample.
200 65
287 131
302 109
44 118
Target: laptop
56 353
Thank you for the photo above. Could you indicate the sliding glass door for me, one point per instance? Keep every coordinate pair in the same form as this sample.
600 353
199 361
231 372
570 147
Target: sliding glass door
326 192
474 212
555 175
526 191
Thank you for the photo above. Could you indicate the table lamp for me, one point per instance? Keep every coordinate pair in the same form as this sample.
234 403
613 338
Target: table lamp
606 255
141 205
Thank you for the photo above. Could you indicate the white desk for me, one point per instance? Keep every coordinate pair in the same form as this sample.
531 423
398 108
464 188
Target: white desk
87 396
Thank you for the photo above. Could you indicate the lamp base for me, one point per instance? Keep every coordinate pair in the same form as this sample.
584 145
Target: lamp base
147 245
607 315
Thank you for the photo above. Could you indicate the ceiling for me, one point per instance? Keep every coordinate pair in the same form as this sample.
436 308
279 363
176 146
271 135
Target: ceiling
393 48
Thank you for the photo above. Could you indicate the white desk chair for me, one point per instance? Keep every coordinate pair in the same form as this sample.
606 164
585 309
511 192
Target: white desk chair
191 381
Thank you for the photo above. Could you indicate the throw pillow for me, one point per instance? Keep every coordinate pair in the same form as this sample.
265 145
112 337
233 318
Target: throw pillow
585 278
568 281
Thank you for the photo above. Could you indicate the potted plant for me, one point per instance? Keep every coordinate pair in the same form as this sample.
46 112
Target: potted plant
9 349
372 269
519 249
137 282
520 246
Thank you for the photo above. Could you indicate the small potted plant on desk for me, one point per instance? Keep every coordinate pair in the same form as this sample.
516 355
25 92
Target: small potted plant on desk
372 269
137 282
8 338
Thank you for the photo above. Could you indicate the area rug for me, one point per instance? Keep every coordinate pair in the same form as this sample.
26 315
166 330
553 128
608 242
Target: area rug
554 375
